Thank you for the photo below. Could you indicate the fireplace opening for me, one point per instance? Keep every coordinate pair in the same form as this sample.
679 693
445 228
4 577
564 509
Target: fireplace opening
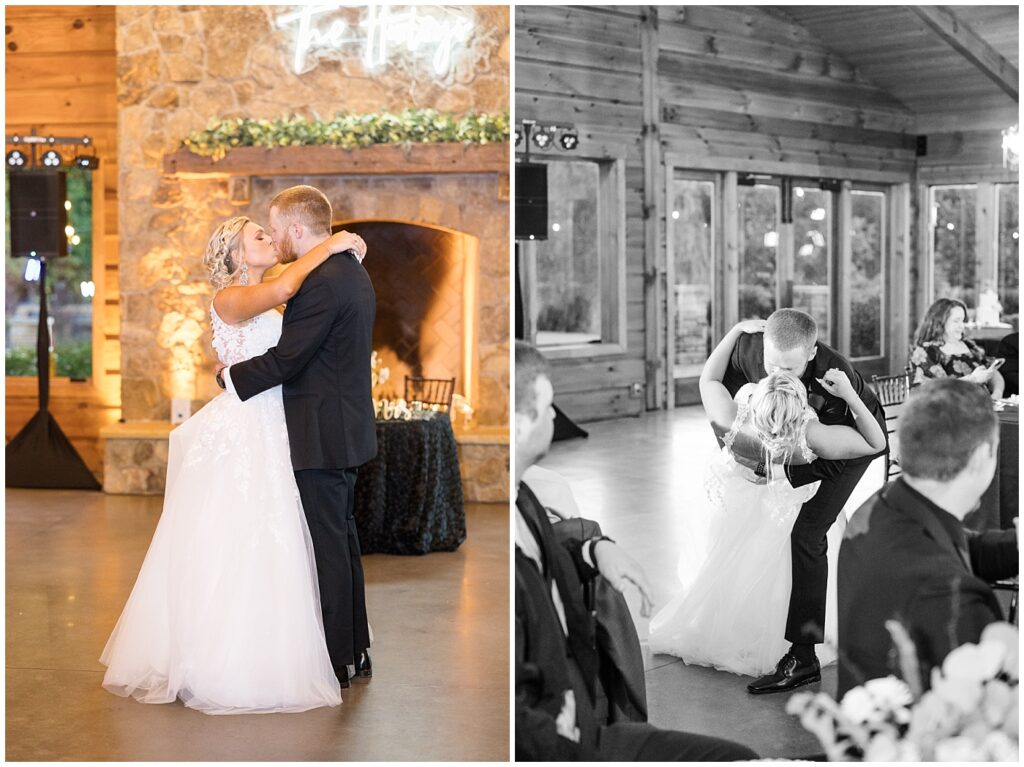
425 278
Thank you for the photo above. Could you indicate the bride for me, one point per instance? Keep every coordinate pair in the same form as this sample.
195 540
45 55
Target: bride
225 613
733 614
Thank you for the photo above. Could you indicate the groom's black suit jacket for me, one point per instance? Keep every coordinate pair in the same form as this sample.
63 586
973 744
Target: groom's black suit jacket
746 365
323 362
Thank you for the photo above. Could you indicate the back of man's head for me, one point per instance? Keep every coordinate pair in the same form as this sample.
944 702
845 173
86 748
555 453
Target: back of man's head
791 329
943 423
530 365
306 205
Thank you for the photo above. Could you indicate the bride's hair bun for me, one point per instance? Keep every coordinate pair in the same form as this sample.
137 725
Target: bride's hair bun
777 412
222 258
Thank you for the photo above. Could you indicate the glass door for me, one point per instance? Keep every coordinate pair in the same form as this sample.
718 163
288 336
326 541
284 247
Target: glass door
692 224
818 246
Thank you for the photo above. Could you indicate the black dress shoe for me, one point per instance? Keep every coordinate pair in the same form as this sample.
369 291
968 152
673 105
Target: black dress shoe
364 667
343 677
789 674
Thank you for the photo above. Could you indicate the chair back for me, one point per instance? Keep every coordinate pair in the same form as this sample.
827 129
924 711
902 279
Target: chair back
430 391
892 392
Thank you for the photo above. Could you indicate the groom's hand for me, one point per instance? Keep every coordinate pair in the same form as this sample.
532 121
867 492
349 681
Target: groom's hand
218 374
620 568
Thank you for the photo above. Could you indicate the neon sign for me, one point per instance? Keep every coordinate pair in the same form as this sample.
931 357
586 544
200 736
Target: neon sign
383 32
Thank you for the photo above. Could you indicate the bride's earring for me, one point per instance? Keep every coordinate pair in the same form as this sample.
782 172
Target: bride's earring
244 279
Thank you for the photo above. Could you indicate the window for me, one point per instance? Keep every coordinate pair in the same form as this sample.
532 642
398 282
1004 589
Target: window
867 273
812 259
569 261
69 293
758 244
954 263
575 279
693 245
1009 250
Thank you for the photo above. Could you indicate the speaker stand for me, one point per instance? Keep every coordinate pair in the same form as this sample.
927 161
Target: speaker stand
41 455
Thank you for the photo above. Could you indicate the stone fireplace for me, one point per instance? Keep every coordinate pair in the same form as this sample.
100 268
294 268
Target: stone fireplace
426 280
453 206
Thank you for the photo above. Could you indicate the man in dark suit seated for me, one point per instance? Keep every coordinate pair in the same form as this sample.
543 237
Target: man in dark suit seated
1009 350
906 555
556 661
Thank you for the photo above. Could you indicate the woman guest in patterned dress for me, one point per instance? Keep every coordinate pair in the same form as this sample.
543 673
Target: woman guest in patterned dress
941 350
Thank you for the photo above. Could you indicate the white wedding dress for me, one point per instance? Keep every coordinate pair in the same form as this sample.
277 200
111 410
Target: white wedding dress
732 614
225 613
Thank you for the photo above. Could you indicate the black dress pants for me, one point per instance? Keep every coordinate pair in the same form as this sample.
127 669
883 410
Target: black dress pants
805 623
328 498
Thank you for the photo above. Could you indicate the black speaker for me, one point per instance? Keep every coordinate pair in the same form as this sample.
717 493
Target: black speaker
531 201
38 216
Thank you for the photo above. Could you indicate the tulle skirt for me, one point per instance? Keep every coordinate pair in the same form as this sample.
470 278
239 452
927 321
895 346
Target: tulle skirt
731 612
225 613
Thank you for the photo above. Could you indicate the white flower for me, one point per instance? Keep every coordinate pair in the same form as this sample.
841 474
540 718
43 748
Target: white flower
963 694
999 698
882 748
1008 636
999 747
859 706
889 693
974 662
957 750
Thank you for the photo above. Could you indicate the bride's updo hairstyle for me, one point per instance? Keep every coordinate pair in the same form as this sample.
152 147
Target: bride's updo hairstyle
223 257
777 408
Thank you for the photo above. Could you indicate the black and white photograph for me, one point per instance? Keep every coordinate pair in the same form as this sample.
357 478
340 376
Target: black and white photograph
766 463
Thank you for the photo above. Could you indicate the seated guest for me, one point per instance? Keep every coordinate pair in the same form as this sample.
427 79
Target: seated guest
557 682
1009 350
942 351
906 555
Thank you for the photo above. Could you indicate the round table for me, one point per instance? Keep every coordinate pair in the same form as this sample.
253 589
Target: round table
409 498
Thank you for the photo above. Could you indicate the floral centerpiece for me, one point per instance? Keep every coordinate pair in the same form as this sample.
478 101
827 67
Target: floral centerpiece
969 714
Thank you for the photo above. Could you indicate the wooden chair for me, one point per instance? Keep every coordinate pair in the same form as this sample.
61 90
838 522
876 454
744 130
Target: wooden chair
892 392
430 391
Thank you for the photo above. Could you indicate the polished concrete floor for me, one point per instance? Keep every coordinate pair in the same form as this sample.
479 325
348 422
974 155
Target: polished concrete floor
642 480
441 662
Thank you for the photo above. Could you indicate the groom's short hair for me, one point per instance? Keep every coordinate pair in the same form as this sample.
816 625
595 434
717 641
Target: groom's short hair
942 424
791 328
305 204
530 365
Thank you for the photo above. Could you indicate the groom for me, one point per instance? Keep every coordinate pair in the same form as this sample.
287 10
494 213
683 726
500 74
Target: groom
323 361
790 342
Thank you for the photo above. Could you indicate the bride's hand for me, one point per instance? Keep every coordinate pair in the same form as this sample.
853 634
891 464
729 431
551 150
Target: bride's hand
836 383
342 241
750 326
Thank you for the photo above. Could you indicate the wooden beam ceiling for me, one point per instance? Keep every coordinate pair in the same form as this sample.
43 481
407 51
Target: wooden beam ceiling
968 44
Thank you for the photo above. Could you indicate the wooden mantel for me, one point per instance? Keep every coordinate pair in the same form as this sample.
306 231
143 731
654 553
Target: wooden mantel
381 159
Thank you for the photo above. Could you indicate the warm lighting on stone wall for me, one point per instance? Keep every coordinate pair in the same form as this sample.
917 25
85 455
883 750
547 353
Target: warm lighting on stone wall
180 335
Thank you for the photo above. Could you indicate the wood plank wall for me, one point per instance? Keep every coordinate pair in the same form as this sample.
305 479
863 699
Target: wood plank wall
583 65
61 68
738 88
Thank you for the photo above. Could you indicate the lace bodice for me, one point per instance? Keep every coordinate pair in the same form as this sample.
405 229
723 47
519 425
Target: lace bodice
235 343
742 420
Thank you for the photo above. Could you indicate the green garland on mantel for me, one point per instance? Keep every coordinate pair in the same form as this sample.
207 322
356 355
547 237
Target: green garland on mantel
348 131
